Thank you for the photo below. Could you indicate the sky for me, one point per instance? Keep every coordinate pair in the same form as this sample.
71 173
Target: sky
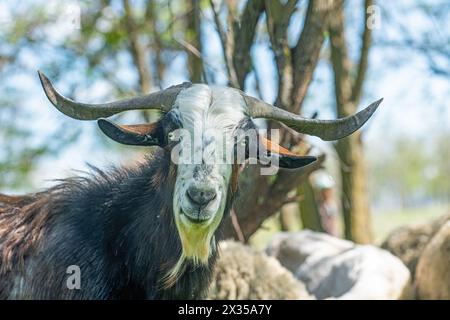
415 101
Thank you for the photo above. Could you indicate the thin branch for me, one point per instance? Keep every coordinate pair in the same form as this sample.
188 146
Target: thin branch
364 55
189 47
157 46
227 42
137 50
193 50
244 35
193 36
277 18
219 27
306 52
237 227
257 81
238 38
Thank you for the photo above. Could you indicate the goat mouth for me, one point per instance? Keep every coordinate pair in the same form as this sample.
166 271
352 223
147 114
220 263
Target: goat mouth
197 219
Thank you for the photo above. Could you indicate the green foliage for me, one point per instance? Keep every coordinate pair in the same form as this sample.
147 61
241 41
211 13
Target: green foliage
20 151
411 170
439 172
78 59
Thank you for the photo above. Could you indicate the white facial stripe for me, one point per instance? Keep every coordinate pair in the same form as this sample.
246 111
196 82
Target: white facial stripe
210 115
227 108
192 104
202 107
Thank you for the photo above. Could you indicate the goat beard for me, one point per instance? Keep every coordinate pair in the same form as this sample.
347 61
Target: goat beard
197 242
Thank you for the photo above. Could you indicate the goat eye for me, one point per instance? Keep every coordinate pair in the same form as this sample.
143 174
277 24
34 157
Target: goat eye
171 136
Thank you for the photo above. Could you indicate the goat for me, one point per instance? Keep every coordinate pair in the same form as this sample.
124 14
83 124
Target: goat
149 231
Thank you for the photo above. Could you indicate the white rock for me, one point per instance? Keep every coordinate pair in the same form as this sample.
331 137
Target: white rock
339 269
293 248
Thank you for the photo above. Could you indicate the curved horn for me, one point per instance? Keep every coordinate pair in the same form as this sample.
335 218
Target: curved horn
324 129
162 100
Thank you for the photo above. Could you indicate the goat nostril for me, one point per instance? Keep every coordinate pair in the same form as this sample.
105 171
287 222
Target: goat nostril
201 196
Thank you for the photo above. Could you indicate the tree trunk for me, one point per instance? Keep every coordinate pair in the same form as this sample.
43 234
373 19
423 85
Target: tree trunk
193 37
309 212
354 197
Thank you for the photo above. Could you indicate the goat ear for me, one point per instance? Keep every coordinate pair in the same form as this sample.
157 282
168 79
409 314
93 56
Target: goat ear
135 135
286 158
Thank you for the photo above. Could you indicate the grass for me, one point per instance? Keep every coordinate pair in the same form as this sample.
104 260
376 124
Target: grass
383 221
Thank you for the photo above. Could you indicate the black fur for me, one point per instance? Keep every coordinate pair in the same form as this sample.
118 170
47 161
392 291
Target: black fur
118 227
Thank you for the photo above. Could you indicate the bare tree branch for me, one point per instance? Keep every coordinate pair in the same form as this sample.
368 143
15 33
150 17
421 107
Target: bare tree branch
157 44
238 38
219 26
276 195
244 34
364 55
227 41
340 63
306 52
137 50
194 51
193 36
237 227
278 17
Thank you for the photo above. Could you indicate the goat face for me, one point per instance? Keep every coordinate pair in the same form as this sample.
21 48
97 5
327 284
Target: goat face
201 131
200 128
209 118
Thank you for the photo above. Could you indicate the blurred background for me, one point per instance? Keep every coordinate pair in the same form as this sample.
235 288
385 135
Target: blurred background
318 58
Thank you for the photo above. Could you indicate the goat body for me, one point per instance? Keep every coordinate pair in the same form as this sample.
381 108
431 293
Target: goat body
117 227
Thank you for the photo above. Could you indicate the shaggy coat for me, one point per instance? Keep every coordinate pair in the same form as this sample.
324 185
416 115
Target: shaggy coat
118 227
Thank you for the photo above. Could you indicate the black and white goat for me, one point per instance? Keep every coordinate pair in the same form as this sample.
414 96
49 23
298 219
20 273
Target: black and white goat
145 232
